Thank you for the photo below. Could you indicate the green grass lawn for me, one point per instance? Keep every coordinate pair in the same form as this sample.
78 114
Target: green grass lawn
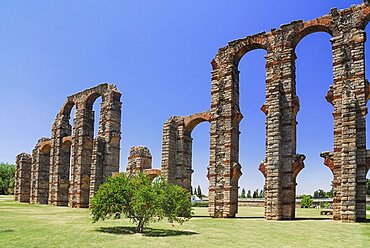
26 225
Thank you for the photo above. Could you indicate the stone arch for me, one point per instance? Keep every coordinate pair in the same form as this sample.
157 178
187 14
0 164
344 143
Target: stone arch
225 119
322 26
67 107
303 29
190 122
235 50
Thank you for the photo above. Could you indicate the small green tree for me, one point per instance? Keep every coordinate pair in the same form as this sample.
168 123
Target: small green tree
242 195
249 194
7 178
329 194
368 187
195 192
319 194
141 200
306 201
261 194
255 194
199 192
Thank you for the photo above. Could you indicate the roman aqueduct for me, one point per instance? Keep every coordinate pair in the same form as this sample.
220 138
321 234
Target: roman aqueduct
43 177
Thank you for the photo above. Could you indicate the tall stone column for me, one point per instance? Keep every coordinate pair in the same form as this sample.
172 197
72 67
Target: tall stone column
169 150
224 170
82 147
60 160
184 157
177 153
350 149
273 182
40 172
23 177
292 163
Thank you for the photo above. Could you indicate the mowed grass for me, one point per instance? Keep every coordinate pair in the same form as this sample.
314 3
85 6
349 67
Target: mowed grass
26 225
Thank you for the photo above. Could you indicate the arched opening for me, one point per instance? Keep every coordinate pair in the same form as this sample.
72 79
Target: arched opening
71 122
315 123
252 151
200 160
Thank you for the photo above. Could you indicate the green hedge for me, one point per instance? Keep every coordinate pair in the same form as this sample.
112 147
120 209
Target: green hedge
200 204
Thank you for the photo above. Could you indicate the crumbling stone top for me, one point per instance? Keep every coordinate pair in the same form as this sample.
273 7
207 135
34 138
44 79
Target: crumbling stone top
23 157
140 151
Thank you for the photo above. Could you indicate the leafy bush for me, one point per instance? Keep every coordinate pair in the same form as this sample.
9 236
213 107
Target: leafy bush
200 204
306 201
141 200
325 205
7 178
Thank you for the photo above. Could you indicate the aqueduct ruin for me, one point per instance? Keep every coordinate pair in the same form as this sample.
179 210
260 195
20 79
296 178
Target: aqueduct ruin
68 168
45 173
348 95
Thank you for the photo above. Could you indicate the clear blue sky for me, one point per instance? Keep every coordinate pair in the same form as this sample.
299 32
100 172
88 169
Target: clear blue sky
158 53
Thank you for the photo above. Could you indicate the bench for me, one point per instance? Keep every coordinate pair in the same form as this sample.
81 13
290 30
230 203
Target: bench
326 212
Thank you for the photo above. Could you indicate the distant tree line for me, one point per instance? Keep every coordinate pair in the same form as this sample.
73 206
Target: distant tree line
197 192
256 194
7 178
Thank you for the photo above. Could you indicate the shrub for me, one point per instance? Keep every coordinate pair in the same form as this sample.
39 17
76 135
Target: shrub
306 201
200 204
141 200
7 178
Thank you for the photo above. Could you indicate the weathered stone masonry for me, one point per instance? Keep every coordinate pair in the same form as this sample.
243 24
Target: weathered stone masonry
76 163
68 168
348 95
177 148
22 177
140 161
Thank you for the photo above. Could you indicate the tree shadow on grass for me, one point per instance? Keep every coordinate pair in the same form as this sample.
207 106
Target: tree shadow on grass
148 231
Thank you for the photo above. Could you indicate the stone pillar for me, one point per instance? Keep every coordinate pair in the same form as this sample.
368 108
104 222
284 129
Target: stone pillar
60 156
224 170
184 157
40 171
97 165
292 163
139 160
82 147
169 149
177 153
23 177
274 98
350 150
